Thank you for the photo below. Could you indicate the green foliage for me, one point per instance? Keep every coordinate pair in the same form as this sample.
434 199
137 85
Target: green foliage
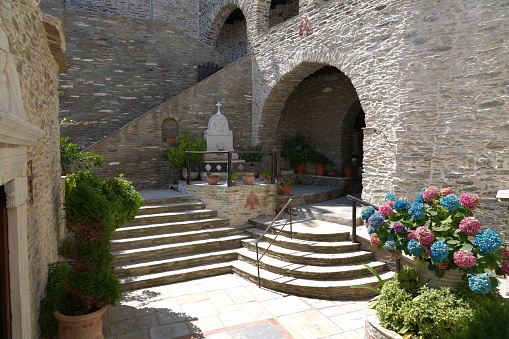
266 174
234 175
187 143
491 321
319 158
54 294
74 161
297 150
375 273
349 164
286 181
95 207
252 157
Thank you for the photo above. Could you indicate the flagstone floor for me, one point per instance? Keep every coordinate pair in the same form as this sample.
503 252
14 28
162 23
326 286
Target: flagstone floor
230 307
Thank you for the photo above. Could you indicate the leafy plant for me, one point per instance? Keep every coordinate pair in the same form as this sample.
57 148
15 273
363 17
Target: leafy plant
74 161
375 273
319 158
234 175
349 164
297 150
286 181
213 174
187 143
252 157
95 207
266 174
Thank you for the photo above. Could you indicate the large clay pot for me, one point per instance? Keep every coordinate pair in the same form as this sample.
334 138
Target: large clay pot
451 278
320 169
213 179
285 189
194 175
248 179
87 326
349 171
301 169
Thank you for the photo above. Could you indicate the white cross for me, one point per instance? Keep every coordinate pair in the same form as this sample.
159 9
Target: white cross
218 107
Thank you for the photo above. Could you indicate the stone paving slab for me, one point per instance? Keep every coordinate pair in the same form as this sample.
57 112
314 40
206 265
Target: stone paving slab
228 306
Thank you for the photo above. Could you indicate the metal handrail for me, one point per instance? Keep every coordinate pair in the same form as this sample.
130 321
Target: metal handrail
258 258
354 222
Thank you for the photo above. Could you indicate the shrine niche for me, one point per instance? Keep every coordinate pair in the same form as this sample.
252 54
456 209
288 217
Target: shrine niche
170 130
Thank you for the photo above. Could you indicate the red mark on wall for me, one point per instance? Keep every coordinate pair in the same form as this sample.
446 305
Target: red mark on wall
252 200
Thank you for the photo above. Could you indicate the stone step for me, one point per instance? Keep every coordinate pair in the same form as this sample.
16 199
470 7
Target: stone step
305 245
306 229
179 226
172 200
310 272
323 289
164 278
172 217
174 238
172 264
308 258
138 255
173 207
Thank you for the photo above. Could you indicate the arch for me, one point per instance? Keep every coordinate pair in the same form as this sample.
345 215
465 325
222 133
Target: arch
282 10
169 129
232 39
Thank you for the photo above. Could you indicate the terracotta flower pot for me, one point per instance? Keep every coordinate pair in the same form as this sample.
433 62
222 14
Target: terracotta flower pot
248 179
170 140
194 175
349 171
81 326
264 179
301 169
213 179
320 169
285 189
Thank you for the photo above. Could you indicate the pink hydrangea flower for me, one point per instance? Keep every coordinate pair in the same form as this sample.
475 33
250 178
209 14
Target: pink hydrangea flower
398 227
430 193
395 254
427 249
443 265
505 251
374 240
469 200
464 259
389 202
505 266
424 235
385 210
469 225
445 191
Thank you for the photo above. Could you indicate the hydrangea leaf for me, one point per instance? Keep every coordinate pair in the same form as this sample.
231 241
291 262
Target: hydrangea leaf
467 247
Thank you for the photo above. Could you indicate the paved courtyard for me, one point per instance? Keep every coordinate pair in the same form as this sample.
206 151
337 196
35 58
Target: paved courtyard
228 307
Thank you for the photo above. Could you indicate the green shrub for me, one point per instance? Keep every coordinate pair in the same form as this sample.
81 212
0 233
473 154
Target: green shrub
75 161
252 157
407 279
389 305
187 143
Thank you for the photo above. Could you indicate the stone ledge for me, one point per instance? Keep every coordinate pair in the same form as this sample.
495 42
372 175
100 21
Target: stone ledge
375 331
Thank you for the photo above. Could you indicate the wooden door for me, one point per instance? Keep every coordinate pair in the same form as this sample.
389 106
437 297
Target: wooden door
5 305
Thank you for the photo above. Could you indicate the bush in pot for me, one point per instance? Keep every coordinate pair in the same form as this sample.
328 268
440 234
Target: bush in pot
187 143
265 177
95 207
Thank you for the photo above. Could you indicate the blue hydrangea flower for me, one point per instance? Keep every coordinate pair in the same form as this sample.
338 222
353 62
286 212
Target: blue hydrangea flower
371 229
450 202
390 196
479 283
414 247
401 205
439 252
417 210
423 189
366 212
487 241
376 220
419 198
390 245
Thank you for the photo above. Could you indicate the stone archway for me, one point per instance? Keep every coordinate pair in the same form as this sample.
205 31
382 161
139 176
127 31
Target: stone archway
232 39
282 10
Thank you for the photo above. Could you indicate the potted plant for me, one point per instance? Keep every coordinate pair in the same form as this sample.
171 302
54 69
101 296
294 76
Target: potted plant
233 177
298 152
95 207
212 178
248 178
187 143
285 186
438 229
349 168
265 177
319 159
330 169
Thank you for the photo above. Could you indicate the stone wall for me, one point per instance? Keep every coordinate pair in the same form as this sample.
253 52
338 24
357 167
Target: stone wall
120 68
238 203
37 71
182 13
138 150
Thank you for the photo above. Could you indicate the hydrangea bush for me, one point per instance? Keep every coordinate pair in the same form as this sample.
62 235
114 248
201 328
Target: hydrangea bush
439 228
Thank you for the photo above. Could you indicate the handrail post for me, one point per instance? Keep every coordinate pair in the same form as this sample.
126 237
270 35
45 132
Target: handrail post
291 225
228 169
188 169
354 221
398 265
258 266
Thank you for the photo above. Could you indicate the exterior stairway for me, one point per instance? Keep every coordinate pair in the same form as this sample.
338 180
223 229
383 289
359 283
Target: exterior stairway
173 240
319 262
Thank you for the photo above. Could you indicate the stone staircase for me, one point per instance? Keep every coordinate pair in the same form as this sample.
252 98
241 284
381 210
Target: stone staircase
177 239
319 262
173 240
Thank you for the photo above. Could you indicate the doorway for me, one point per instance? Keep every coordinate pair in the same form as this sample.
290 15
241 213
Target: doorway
5 305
